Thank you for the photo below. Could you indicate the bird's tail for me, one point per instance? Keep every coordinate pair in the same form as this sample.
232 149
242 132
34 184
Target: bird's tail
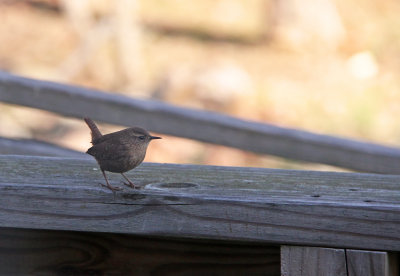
95 132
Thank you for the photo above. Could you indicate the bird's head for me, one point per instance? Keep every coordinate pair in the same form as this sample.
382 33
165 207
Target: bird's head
141 136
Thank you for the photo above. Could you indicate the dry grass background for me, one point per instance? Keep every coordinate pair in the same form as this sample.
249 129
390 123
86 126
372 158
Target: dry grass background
335 73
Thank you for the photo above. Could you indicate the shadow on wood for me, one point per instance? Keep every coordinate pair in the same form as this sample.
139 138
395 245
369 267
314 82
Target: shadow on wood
35 252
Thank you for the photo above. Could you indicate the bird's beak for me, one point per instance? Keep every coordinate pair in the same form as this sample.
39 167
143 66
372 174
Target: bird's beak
154 137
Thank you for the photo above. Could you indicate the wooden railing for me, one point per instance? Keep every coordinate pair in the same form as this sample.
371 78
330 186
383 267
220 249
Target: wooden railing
199 125
56 218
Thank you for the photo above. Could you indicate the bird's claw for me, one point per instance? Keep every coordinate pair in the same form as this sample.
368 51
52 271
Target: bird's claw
112 188
131 185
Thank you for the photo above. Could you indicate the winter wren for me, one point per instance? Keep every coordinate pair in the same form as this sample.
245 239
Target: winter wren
120 151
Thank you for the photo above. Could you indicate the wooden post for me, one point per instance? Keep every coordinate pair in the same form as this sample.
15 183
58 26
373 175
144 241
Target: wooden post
373 263
310 261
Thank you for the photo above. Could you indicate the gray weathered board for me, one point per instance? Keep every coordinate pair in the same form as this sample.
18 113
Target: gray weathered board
343 210
200 125
372 263
316 261
313 261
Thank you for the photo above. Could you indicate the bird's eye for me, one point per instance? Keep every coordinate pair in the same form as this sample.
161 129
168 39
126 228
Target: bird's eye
142 138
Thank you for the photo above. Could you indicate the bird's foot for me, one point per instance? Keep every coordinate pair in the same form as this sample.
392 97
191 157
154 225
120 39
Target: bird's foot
112 188
131 185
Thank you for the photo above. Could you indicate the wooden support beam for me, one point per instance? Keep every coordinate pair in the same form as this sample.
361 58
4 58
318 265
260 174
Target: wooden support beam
39 252
200 125
344 210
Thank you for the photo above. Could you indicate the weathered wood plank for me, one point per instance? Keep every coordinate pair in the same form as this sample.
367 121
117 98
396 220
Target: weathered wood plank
371 263
34 147
342 210
200 125
317 261
34 252
312 261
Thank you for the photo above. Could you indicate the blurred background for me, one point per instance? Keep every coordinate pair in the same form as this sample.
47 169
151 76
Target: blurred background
326 66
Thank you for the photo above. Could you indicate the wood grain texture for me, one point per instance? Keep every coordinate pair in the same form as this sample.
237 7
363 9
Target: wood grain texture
372 263
34 252
316 261
312 261
200 125
342 210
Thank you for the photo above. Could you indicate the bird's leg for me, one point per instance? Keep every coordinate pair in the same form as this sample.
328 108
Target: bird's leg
130 183
112 188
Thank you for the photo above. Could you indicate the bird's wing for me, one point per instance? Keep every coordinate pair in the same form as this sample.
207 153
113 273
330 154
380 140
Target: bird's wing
119 137
110 149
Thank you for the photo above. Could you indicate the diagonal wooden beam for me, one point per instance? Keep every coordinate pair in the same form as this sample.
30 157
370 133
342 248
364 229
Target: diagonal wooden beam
200 125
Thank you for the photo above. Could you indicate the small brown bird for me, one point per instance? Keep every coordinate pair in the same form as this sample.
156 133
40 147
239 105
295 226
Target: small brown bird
120 151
